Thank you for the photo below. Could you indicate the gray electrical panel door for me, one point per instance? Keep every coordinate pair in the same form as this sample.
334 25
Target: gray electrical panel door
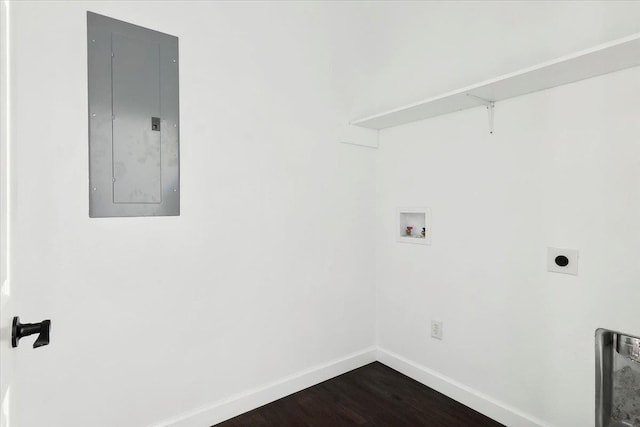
134 167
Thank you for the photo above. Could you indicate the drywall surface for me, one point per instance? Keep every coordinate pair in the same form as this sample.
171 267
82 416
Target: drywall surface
561 170
266 272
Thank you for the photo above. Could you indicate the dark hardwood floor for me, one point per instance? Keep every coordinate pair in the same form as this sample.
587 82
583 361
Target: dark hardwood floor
372 396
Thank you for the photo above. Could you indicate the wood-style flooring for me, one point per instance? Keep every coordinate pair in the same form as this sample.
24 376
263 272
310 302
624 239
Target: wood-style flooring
372 396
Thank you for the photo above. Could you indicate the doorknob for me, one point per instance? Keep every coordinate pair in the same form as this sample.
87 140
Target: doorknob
20 330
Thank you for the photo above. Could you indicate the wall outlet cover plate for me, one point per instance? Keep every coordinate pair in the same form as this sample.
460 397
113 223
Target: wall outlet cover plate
436 329
562 261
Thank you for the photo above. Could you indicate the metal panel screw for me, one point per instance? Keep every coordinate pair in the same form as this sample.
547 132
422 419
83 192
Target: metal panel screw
93 40
173 60
175 190
93 115
94 188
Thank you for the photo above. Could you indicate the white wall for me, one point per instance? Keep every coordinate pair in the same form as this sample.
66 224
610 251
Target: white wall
561 170
266 273
268 270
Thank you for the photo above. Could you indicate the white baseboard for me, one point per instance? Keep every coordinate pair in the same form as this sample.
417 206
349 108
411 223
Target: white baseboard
241 403
467 396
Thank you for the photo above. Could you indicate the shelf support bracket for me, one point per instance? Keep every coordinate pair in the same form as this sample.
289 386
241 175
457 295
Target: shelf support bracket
490 109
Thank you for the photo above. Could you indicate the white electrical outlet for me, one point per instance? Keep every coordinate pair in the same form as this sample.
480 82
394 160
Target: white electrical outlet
436 329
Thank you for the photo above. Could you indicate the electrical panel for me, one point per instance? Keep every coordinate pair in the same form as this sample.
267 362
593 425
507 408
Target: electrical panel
134 140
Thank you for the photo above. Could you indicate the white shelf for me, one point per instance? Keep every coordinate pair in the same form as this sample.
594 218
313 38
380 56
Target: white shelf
602 59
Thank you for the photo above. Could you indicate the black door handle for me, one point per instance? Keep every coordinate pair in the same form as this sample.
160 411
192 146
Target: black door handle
20 330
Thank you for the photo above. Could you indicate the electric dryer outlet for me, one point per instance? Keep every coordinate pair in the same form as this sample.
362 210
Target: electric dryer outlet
562 261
